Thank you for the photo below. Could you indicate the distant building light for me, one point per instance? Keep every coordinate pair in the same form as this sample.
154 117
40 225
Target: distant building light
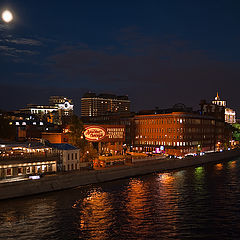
41 123
17 123
24 123
34 177
34 123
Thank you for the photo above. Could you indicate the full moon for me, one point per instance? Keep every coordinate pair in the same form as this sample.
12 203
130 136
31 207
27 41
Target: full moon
7 16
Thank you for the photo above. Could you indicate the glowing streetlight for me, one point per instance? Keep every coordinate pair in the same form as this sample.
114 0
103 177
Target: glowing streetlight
7 16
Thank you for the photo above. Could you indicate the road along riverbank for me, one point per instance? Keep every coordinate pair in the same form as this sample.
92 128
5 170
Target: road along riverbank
80 178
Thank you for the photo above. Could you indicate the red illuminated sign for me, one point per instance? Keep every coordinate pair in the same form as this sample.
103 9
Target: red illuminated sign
94 133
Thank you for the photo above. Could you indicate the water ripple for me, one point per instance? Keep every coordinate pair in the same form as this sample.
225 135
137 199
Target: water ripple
195 203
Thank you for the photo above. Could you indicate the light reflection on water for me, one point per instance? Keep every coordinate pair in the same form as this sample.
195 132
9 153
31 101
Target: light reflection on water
35 217
95 214
137 208
195 203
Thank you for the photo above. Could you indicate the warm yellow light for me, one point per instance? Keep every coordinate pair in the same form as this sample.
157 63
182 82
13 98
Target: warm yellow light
7 16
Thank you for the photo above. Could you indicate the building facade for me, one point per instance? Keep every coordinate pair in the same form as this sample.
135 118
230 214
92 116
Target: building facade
230 114
58 110
125 119
69 157
179 133
218 101
213 110
55 137
106 138
21 160
64 105
102 104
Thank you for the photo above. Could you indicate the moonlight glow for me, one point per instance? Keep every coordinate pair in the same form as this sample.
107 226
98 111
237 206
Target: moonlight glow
7 16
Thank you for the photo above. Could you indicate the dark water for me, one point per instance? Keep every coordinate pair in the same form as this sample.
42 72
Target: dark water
194 203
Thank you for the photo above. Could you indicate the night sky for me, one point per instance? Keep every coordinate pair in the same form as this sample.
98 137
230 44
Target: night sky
156 52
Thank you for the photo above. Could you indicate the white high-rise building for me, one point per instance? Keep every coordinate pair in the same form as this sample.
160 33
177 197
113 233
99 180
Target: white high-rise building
103 104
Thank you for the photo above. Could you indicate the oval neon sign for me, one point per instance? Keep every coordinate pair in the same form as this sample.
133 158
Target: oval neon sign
94 134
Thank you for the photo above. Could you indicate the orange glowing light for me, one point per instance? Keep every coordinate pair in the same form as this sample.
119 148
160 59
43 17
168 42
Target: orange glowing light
166 178
219 166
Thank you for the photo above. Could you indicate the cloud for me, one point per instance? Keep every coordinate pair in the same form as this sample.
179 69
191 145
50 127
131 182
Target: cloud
2 27
15 47
156 70
154 63
136 57
150 70
24 41
14 52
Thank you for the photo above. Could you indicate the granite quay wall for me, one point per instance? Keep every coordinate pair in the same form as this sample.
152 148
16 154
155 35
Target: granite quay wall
80 178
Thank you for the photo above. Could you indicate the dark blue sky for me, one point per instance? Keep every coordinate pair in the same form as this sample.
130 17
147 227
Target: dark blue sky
156 52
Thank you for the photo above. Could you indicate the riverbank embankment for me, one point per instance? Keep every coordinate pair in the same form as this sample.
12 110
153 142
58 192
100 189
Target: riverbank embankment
80 178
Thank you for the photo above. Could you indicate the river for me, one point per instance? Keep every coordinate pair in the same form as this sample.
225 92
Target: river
193 203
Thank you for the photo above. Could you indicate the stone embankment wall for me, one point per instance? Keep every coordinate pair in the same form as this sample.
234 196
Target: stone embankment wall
74 179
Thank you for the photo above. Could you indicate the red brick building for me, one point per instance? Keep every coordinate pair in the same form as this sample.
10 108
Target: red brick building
107 138
179 133
55 137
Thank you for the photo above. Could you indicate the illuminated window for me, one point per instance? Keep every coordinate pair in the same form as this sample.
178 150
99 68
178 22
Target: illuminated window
9 171
20 171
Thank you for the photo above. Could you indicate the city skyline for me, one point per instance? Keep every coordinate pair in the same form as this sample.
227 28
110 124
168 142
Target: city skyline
157 53
119 119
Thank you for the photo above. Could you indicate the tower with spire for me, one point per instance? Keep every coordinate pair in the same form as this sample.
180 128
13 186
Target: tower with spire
230 114
218 101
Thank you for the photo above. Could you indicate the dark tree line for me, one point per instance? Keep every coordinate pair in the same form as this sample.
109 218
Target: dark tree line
6 131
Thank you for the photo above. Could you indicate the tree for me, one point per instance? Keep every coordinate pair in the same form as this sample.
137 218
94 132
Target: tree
236 131
76 136
89 153
77 139
7 131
